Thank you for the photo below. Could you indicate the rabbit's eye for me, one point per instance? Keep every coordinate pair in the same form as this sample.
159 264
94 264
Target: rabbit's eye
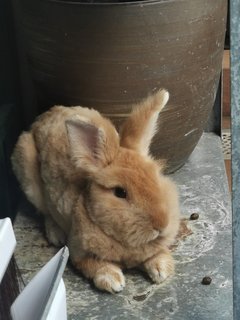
120 192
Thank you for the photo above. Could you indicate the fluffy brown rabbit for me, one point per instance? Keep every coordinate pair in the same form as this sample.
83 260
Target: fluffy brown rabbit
101 192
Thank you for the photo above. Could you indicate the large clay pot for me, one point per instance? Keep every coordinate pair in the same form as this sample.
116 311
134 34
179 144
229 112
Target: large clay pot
108 55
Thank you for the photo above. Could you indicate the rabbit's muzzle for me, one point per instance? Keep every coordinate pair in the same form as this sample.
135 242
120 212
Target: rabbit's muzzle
159 221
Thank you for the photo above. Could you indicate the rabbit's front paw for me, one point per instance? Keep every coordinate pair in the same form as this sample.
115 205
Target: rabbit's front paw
160 267
109 278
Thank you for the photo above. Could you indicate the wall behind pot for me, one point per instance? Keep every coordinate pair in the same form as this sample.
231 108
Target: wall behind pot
109 56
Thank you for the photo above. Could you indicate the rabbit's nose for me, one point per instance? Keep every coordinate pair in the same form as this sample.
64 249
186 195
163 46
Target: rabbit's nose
159 221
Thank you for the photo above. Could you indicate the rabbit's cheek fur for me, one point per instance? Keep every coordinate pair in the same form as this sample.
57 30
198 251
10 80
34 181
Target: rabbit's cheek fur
126 222
122 223
169 233
119 219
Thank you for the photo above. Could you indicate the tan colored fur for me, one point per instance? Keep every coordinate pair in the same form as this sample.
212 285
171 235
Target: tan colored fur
69 164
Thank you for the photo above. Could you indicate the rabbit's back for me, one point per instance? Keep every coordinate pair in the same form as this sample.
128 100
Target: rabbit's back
50 136
42 162
61 182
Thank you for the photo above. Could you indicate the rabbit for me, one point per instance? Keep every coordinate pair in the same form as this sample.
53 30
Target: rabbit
101 192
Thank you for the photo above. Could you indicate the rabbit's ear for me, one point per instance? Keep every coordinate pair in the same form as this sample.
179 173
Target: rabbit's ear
88 144
139 129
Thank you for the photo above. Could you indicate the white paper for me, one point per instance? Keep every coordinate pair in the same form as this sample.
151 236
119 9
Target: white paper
45 295
7 244
58 309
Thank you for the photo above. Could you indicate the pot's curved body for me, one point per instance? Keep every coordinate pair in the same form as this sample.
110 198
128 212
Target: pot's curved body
110 55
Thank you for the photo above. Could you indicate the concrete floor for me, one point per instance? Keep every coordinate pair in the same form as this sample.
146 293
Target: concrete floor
206 251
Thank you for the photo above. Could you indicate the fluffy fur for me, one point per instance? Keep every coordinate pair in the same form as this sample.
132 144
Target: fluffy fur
69 165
